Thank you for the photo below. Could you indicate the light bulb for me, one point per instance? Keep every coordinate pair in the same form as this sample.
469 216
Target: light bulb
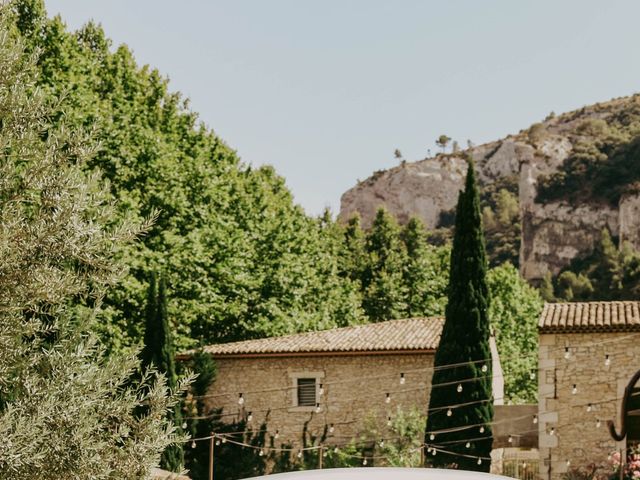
261 453
598 423
524 464
240 399
479 461
193 444
432 437
535 419
184 425
388 421
277 434
388 399
249 417
589 407
224 440
607 360
299 454
382 443
567 353
217 442
331 428
468 445
364 462
449 413
481 429
321 390
574 390
568 463
532 375
459 388
433 452
402 379
317 408
485 368
336 450
552 431
510 440
324 454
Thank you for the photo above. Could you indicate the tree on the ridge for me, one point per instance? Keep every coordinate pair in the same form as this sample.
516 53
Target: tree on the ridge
461 395
426 272
158 352
384 290
442 141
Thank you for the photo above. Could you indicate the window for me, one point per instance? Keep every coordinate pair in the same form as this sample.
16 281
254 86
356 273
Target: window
306 392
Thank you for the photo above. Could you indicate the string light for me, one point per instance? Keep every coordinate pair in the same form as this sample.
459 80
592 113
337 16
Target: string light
240 399
331 428
364 462
589 407
485 368
261 453
568 463
532 375
402 379
325 453
277 434
224 440
510 440
336 450
193 444
300 454
607 360
388 421
184 425
382 443
468 445
535 419
449 412
388 399
217 442
320 390
317 408
433 452
249 417
432 437
459 389
574 390
598 423
479 461
481 429
552 431
567 353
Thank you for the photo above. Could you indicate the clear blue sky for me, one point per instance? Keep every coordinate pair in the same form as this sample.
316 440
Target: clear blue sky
326 90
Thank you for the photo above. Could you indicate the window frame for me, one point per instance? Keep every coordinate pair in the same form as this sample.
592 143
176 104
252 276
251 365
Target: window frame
294 377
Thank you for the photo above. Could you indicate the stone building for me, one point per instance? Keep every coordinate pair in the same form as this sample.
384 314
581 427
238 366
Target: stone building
335 382
588 353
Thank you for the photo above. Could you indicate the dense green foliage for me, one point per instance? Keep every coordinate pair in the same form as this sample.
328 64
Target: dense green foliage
66 410
608 273
514 311
158 352
501 220
464 342
240 258
605 160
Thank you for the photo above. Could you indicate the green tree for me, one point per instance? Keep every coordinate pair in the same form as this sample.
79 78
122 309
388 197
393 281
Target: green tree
426 272
384 291
442 141
158 352
514 312
66 410
465 343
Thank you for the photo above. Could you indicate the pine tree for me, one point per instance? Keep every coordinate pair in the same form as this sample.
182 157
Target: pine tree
464 342
158 351
384 291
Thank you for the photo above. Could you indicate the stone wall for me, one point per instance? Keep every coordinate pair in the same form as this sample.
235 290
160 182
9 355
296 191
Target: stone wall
577 438
355 388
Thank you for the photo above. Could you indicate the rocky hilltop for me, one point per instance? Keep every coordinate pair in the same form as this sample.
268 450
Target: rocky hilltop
572 175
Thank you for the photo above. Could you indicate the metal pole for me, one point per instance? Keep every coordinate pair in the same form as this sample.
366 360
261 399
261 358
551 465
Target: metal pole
622 458
213 439
422 456
320 455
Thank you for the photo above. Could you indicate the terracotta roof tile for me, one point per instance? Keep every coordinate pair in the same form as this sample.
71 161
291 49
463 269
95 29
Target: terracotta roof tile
581 317
392 335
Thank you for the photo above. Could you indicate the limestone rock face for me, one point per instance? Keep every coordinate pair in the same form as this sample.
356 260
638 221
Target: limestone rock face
553 233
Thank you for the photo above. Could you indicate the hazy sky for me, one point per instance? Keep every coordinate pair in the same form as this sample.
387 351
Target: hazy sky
325 90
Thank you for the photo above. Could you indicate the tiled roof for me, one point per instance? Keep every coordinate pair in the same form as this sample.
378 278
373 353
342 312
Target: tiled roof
393 335
590 317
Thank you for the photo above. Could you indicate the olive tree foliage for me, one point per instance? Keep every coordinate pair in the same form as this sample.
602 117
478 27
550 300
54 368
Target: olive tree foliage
66 410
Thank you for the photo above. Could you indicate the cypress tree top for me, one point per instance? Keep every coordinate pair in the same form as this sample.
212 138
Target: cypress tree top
464 341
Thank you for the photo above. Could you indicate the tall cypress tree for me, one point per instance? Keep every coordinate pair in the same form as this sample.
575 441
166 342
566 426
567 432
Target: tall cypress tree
465 343
158 351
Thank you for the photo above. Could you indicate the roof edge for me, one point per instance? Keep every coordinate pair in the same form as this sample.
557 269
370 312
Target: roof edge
318 353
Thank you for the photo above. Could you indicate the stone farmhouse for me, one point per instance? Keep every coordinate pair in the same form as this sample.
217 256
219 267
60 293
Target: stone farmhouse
588 352
334 382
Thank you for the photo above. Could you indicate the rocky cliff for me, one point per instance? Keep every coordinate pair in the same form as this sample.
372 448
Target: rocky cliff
559 169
